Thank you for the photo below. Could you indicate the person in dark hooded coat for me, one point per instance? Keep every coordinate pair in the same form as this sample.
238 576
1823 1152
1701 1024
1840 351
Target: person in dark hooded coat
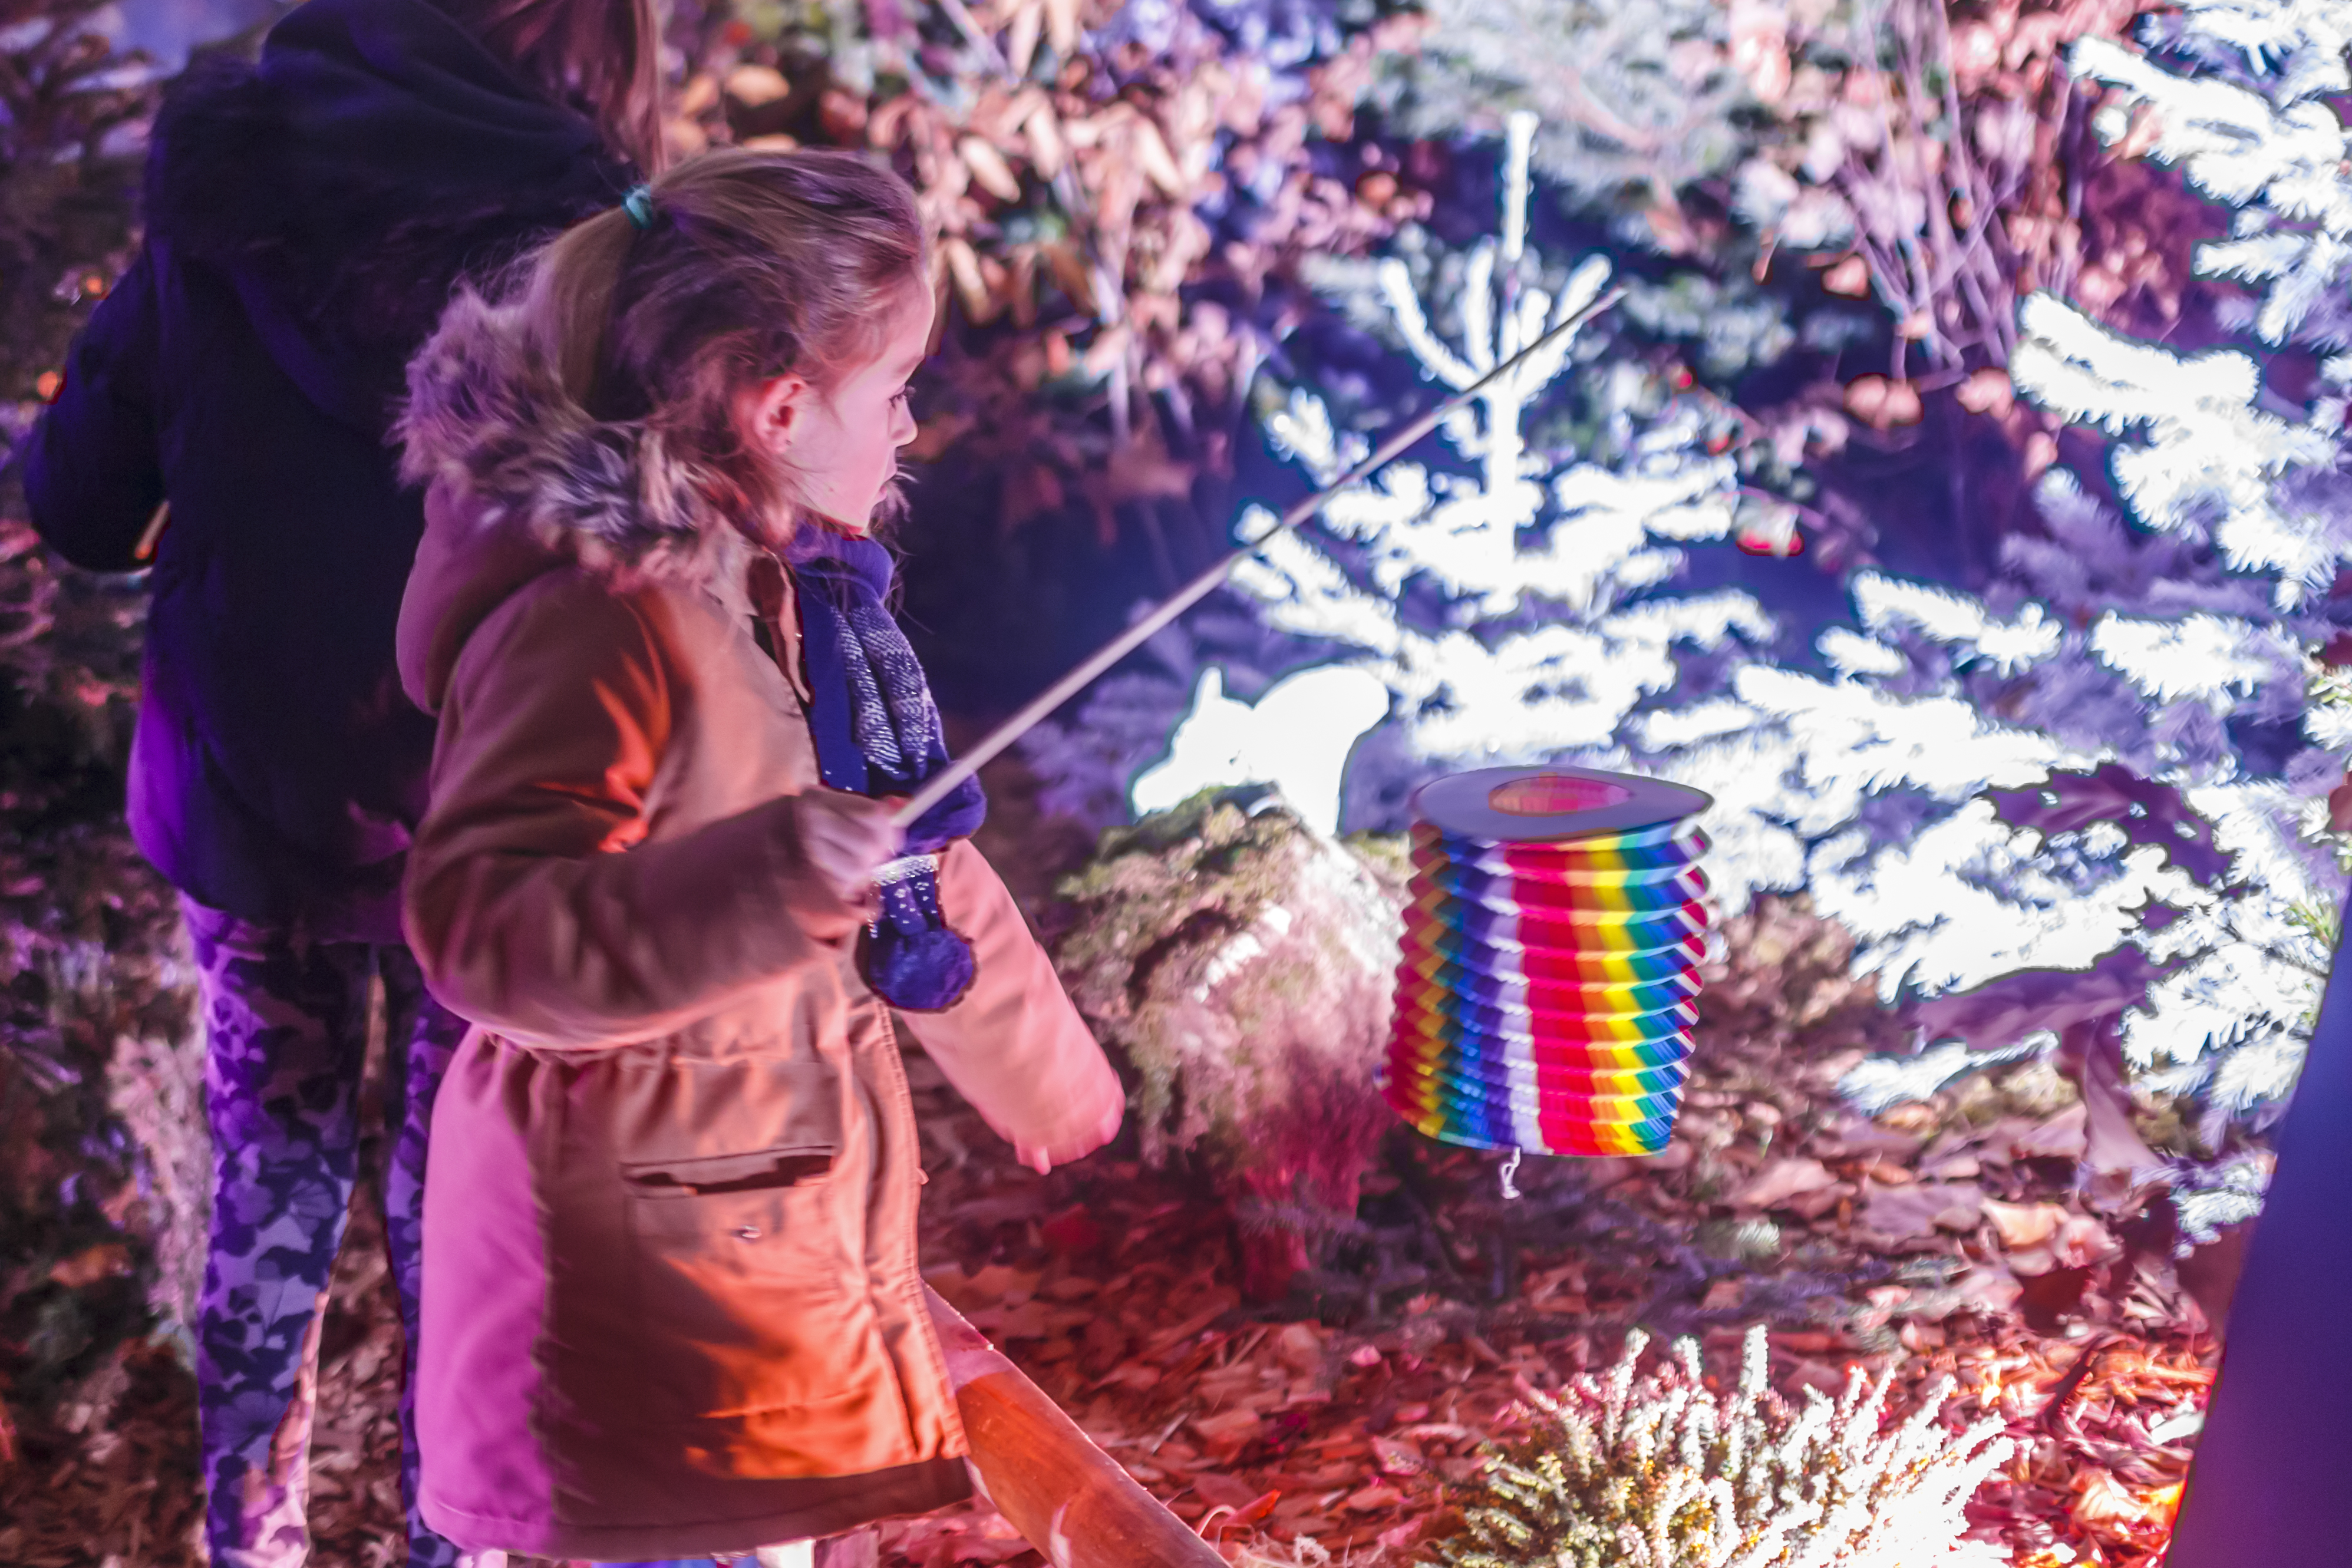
224 422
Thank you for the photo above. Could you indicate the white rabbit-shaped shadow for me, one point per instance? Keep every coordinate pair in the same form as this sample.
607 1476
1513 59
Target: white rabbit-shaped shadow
1296 737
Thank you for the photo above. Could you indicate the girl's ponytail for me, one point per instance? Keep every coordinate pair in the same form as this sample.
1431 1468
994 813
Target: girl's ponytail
567 307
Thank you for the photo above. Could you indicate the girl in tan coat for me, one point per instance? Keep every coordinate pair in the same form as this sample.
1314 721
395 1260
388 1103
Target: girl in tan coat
672 1305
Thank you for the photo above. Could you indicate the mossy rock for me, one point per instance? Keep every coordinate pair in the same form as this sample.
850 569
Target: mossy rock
1243 964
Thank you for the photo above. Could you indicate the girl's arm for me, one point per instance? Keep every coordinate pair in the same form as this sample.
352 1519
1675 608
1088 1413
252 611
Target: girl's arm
93 470
1014 1046
534 904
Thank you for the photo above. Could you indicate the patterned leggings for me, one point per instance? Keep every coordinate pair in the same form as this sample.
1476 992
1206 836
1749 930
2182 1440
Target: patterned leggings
287 1025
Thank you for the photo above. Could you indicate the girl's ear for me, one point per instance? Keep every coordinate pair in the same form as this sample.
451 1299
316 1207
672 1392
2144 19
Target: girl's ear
769 413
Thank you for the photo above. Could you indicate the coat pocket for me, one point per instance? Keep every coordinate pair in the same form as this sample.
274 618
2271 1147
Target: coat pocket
747 1273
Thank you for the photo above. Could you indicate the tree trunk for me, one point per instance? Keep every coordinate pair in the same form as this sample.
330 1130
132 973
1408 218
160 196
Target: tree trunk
1274 1246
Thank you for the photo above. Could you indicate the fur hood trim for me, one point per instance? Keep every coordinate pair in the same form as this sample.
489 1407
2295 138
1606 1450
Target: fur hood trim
485 419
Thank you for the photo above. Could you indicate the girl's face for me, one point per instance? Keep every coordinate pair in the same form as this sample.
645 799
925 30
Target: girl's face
841 443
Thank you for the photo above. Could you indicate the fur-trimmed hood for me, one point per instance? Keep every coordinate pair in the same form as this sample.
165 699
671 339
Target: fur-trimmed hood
520 481
374 153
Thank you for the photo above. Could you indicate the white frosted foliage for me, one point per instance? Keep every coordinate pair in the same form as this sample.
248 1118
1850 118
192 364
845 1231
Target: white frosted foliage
2202 446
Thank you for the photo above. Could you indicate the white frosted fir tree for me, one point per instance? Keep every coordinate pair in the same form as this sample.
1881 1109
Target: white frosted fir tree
1519 640
2156 647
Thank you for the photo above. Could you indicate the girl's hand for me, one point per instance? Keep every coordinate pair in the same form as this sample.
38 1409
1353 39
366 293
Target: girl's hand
848 838
1043 1158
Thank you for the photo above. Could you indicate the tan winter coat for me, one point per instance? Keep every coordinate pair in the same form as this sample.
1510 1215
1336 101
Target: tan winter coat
670 1298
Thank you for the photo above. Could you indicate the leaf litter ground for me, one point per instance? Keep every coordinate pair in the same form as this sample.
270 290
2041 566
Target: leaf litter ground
1955 1236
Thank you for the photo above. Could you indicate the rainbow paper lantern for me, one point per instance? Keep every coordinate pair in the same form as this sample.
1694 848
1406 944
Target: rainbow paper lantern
1548 982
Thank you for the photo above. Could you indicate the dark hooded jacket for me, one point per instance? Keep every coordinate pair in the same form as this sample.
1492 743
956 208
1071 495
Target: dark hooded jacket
307 217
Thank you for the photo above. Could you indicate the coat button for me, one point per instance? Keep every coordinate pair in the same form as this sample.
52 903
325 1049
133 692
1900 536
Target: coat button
746 1233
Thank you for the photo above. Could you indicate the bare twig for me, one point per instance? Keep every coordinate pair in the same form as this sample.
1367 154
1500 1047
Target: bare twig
1952 286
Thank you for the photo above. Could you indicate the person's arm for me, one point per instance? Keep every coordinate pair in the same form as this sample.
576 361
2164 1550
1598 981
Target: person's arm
94 468
1015 1046
535 905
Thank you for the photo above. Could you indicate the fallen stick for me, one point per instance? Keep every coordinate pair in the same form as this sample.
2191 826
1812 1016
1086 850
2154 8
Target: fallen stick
945 782
1068 1498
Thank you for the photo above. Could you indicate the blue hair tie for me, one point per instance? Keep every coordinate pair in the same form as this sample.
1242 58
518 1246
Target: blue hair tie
639 204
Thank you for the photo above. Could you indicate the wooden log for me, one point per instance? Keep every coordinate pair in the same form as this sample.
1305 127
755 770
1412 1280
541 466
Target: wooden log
1066 1497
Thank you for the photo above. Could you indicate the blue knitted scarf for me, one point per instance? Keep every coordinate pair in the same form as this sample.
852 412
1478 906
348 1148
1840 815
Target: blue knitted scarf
877 733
